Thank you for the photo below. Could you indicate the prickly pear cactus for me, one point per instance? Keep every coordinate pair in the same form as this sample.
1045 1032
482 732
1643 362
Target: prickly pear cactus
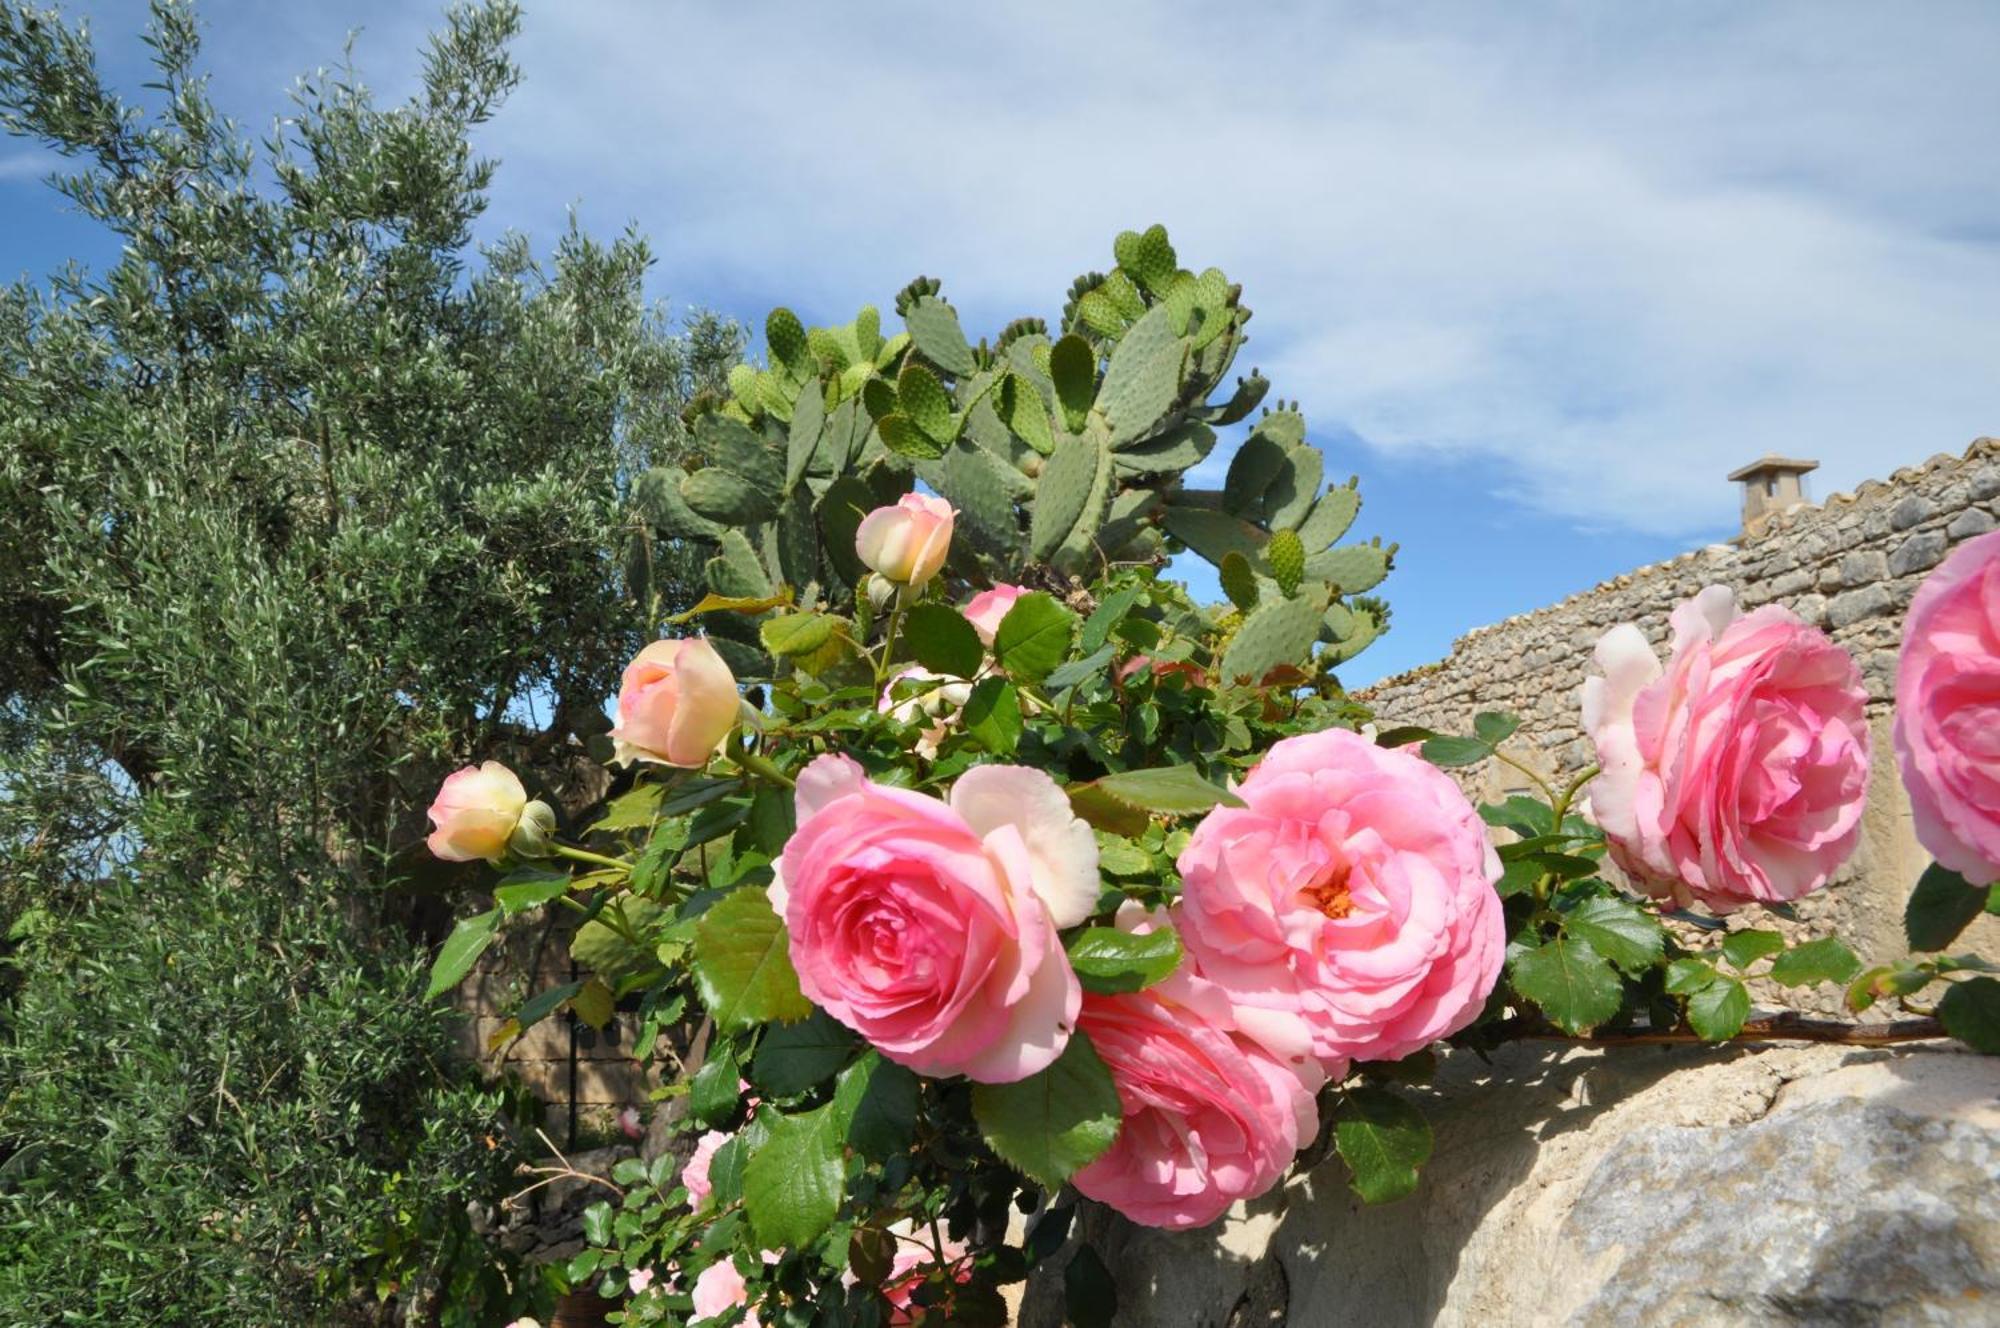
1064 451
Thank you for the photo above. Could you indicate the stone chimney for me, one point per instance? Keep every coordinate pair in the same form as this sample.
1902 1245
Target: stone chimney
1771 484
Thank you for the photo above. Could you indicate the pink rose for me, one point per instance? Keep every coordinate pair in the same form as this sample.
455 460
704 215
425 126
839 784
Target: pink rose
1737 773
476 812
1213 1113
695 1174
630 1125
1354 890
1948 710
986 610
720 1288
676 703
911 1268
906 543
930 928
638 1280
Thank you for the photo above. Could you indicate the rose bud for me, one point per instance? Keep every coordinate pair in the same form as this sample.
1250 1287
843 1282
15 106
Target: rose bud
906 543
476 812
676 703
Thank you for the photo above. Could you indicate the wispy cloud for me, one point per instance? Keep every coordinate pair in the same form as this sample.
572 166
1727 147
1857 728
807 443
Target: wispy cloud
1614 250
29 165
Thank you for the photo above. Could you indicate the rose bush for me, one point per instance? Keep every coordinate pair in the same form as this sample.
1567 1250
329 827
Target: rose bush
1026 877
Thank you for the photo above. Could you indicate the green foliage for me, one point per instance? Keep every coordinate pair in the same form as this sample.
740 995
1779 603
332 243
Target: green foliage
1109 960
303 502
1383 1139
1051 1123
1942 906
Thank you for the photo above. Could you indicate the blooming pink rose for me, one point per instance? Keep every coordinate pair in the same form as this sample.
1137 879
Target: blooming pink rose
1736 774
1354 890
638 1280
695 1174
1948 710
1213 1111
988 608
676 703
630 1125
907 542
476 812
930 928
720 1288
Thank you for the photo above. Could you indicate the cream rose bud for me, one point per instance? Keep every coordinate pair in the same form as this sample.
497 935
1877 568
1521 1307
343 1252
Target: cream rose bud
476 813
676 703
907 542
535 831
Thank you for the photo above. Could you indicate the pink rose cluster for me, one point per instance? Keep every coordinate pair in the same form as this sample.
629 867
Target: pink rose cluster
1346 911
1735 773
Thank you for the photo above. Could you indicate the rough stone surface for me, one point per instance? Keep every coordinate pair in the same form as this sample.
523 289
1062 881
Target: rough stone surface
1683 1186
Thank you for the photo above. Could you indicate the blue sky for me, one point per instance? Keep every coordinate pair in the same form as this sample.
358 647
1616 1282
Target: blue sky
1540 274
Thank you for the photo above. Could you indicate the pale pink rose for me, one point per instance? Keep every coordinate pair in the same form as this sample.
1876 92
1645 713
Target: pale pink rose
630 1125
1355 890
930 928
676 703
1217 1098
1948 710
927 695
986 610
694 1176
1735 775
476 812
907 542
638 1280
720 1288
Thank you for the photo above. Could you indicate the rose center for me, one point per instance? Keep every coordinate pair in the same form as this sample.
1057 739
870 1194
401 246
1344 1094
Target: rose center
1329 893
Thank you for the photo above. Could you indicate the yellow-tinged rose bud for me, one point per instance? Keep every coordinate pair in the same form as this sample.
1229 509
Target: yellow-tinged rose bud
906 543
476 812
532 837
676 703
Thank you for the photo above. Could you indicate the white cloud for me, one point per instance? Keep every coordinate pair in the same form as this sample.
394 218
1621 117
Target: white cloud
1610 251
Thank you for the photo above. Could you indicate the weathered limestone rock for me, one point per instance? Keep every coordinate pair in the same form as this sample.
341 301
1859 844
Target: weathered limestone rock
1682 1186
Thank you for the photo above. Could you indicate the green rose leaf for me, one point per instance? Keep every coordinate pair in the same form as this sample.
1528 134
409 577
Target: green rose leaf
992 716
1528 817
1622 932
530 888
597 1223
1051 1123
1176 790
795 1057
792 1181
1941 907
1689 975
1825 960
876 1102
742 965
1570 982
1744 948
545 1003
635 807
1447 751
1970 1012
715 1091
1383 1138
1034 637
460 951
939 638
1108 960
1716 1012
792 634
1495 727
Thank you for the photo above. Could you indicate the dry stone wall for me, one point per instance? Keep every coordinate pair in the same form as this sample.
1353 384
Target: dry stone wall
1848 565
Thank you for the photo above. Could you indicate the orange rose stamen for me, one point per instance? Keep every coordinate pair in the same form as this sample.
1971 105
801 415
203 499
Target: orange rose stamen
1329 894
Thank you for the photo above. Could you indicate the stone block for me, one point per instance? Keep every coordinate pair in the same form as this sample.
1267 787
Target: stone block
1863 566
1910 511
1968 523
1922 550
1855 605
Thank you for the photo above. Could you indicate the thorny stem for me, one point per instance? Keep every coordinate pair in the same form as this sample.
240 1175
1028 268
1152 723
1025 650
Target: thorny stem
760 766
1561 804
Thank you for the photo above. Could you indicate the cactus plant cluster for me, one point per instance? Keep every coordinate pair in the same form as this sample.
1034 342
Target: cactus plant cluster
1062 453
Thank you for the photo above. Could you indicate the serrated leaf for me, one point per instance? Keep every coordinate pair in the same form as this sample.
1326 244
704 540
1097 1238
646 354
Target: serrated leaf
1449 751
713 603
1688 975
716 1089
742 966
793 634
1034 637
875 1102
1716 1012
1494 727
792 1058
1622 932
1109 961
460 951
938 637
1525 816
992 716
597 1223
545 1003
793 1181
1744 948
1570 982
522 890
1970 1012
1174 790
637 806
593 1003
1824 960
1943 904
1384 1139
1054 1122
